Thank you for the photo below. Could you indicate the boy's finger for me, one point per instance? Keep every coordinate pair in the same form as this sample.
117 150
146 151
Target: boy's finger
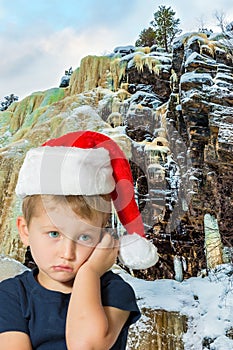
111 231
108 241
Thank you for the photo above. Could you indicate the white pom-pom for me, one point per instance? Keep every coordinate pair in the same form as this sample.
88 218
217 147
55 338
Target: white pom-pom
137 252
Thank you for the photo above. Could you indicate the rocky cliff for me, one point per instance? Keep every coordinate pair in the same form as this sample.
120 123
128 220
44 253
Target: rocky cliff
173 116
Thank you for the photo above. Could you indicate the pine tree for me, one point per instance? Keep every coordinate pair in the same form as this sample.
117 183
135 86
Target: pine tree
165 26
146 37
8 101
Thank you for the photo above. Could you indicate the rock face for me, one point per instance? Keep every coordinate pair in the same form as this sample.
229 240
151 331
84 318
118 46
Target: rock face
162 330
173 116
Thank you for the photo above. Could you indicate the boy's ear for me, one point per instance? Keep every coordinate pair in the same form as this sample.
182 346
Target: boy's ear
23 230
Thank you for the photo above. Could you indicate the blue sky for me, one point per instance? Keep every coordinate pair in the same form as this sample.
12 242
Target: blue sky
40 39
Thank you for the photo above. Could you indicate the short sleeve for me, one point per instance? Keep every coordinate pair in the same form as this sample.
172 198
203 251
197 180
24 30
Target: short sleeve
11 316
119 294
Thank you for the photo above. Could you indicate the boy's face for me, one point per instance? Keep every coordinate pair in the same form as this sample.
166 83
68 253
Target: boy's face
60 243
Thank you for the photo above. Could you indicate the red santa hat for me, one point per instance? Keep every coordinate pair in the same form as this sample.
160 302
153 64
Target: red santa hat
90 163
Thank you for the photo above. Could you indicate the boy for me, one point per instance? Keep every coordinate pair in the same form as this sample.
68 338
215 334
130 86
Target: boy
73 300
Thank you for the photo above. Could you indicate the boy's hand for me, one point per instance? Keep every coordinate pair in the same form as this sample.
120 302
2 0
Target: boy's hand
104 255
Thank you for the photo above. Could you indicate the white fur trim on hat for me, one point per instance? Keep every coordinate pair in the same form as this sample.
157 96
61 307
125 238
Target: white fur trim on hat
62 170
137 252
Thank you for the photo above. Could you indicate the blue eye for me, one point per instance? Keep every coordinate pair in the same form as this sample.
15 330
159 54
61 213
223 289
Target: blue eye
53 234
84 238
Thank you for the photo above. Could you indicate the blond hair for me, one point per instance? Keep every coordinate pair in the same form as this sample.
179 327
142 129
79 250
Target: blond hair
84 206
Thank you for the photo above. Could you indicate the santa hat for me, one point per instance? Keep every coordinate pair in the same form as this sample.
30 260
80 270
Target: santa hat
90 163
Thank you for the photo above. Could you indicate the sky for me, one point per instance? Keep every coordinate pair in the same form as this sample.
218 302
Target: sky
39 40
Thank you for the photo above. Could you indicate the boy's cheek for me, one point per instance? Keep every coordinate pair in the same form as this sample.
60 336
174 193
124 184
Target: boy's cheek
86 251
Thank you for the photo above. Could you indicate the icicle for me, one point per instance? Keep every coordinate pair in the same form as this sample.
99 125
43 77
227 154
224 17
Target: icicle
184 263
213 244
120 228
113 216
178 268
136 193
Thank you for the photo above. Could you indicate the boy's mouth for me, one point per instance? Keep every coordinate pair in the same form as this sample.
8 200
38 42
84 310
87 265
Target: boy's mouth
62 268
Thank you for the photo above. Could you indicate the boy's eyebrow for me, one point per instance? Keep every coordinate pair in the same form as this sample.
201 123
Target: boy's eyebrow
90 230
49 227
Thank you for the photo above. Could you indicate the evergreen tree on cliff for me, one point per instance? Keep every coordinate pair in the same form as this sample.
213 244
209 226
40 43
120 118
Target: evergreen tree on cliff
8 101
146 37
165 26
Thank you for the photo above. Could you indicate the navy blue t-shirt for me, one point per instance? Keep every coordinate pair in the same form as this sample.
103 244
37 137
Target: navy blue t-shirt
26 306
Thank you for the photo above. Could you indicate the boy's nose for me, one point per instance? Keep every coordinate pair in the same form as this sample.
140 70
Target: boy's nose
68 248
